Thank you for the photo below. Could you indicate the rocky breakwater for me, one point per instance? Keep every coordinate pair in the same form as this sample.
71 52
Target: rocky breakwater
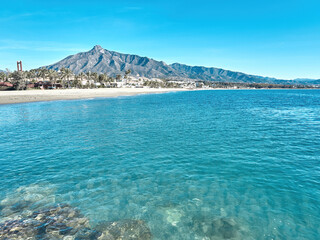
65 222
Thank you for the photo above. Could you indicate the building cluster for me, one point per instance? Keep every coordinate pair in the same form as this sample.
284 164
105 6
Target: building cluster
65 78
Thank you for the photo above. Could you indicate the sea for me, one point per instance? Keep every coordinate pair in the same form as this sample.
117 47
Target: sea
215 164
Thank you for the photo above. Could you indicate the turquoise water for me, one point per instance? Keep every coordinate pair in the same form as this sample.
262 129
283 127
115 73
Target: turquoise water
184 162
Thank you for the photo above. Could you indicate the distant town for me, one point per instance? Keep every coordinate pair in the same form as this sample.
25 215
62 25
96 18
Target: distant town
64 78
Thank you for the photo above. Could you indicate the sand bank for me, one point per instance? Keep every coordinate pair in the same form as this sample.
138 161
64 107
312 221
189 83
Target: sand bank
9 97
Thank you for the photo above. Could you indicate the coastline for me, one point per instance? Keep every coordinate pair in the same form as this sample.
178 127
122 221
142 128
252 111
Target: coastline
13 97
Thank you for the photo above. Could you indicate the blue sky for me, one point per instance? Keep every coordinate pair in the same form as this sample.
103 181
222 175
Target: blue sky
275 38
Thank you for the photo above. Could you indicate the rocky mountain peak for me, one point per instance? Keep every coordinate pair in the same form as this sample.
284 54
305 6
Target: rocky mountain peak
98 48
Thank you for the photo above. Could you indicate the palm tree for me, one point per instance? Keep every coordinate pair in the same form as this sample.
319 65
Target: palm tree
66 74
101 78
110 79
53 75
81 75
118 77
127 73
76 82
38 74
62 77
94 76
32 74
89 76
8 72
43 73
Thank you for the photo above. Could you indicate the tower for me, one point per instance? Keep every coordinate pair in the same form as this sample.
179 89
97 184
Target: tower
19 66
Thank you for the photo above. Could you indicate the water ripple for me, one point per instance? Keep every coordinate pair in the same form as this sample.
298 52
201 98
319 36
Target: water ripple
192 165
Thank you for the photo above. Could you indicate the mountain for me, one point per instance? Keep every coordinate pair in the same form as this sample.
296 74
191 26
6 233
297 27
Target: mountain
216 74
112 63
103 61
307 81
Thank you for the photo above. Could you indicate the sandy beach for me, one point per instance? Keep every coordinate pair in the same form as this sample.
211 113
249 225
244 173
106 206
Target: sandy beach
10 97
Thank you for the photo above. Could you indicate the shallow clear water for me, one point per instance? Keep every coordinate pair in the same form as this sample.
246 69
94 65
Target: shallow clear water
180 161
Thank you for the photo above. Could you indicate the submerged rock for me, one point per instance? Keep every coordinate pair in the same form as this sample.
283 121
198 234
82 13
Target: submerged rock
21 202
20 229
173 216
124 230
227 228
67 223
223 228
58 222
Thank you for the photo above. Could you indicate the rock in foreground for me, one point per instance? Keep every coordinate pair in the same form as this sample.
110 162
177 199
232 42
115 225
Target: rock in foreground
65 222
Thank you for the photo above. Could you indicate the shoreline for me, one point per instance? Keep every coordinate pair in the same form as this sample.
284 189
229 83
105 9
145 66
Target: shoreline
15 97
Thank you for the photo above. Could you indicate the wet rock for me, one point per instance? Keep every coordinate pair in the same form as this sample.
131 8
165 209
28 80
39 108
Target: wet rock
67 223
87 234
58 222
14 210
223 228
26 199
124 230
20 229
20 206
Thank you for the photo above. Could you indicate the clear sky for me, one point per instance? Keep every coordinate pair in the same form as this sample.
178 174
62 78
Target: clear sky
275 38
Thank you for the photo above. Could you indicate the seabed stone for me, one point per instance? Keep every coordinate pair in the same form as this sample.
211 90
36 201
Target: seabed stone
222 228
124 230
67 223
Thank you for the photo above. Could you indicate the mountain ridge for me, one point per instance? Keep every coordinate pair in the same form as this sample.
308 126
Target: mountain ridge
101 60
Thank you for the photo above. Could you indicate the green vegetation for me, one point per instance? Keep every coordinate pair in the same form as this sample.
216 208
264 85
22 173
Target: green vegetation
65 78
